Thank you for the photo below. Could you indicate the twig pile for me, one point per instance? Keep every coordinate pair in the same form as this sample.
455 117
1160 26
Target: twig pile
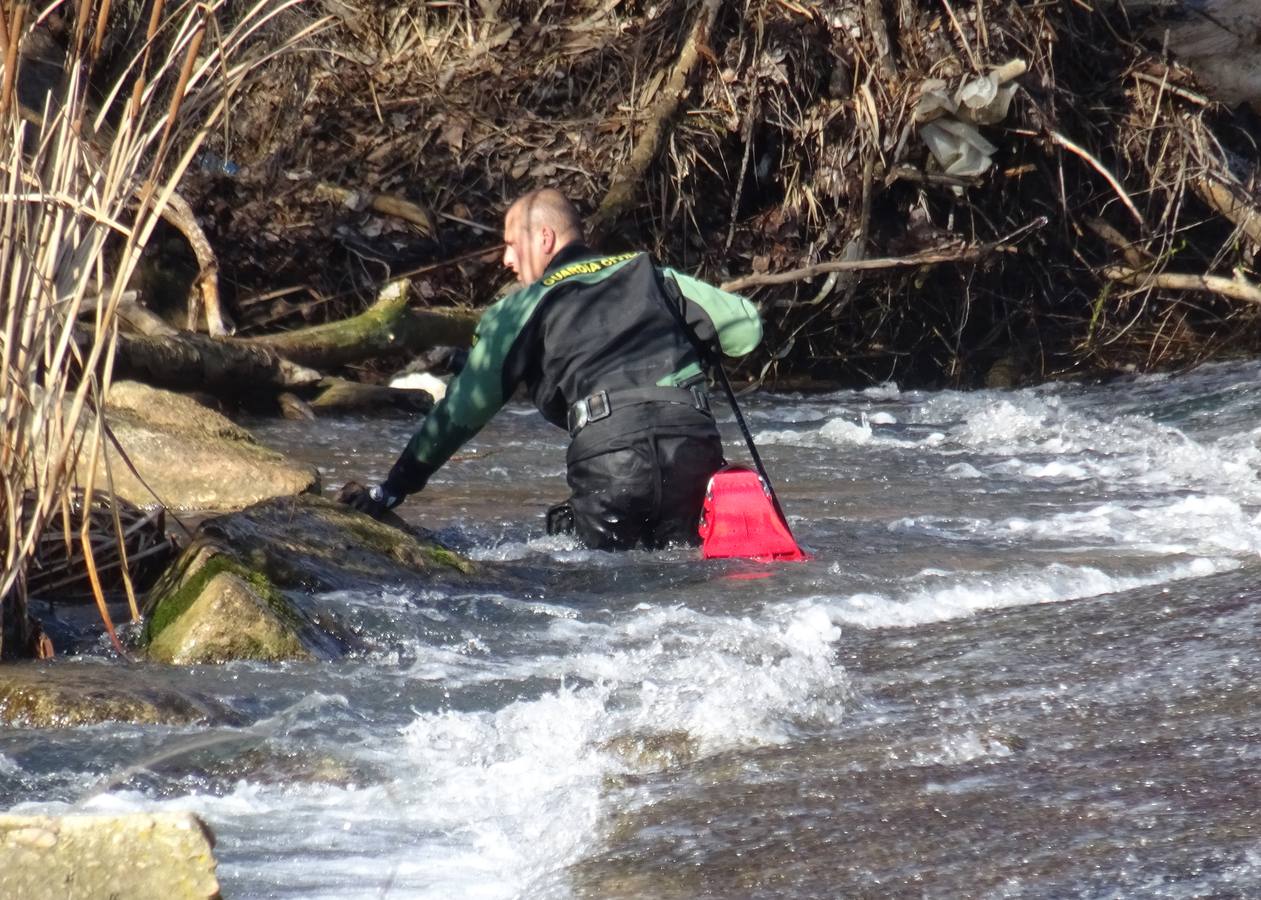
127 548
763 138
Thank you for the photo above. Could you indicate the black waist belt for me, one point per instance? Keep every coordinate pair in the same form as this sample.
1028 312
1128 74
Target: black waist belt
601 404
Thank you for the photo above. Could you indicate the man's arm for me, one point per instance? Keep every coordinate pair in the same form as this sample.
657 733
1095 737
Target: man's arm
715 314
472 399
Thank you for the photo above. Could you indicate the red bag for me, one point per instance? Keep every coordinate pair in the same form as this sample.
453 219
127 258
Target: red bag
738 519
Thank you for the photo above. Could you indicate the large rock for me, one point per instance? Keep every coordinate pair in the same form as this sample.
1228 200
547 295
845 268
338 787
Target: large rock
164 856
236 592
213 609
59 695
192 457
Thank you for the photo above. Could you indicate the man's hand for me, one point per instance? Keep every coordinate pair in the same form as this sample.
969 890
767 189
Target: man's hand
374 501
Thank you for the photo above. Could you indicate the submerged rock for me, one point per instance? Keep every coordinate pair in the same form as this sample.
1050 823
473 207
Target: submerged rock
235 593
162 856
191 457
50 695
653 752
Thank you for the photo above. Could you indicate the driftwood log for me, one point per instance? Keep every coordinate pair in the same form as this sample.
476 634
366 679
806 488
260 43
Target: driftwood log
340 395
187 361
387 327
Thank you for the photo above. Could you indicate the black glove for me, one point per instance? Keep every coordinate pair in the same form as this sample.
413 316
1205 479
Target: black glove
406 477
374 501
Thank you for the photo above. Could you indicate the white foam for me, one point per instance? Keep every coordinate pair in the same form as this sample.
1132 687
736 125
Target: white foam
967 594
1118 449
837 431
885 391
1196 525
521 786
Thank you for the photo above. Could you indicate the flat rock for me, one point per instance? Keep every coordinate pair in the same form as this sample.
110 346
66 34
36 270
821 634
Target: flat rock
162 856
192 457
61 695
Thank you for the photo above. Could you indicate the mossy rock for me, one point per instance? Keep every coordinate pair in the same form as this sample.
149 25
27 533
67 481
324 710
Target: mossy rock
58 695
214 609
237 591
653 752
315 544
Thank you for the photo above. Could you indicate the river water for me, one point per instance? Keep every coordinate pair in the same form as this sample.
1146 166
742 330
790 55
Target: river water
1021 663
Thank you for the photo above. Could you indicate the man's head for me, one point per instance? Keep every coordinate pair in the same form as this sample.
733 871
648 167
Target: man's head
536 227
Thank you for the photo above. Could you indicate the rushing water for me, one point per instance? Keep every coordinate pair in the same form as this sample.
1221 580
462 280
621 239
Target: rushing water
1022 663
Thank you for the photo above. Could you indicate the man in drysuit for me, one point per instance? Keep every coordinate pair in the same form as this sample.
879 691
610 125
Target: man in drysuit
601 354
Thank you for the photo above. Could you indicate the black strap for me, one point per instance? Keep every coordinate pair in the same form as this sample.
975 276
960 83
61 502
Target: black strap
674 301
601 404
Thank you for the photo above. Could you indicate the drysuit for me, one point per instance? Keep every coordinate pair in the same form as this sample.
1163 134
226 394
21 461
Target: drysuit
602 356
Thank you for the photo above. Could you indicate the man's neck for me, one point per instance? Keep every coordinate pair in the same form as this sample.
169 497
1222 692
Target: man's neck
574 250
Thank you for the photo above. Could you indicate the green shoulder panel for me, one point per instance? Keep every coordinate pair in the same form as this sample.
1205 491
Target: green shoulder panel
736 320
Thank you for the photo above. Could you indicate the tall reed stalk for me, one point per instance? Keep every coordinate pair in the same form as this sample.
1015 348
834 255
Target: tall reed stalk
82 187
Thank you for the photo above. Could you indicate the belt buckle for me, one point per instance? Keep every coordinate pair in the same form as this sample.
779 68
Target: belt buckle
597 406
700 397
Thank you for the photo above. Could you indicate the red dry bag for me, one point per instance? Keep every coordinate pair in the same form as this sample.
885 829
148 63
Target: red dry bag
740 520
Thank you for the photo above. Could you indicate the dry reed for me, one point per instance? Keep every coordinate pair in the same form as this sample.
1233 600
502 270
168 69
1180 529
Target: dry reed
83 184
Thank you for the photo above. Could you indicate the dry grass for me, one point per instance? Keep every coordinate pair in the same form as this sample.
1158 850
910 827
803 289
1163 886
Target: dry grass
83 184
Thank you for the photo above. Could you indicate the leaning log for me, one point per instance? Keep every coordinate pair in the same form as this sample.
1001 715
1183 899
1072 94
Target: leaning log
339 395
187 361
386 328
630 176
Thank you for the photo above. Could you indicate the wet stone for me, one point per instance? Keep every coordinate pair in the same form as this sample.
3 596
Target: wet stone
241 589
59 695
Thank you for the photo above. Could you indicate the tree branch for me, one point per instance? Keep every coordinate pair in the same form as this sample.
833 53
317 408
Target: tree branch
1236 288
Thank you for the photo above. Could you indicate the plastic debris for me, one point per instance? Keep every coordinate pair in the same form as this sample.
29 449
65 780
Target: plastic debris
948 121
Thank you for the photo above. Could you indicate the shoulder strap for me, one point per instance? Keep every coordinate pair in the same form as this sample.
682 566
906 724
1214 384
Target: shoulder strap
674 302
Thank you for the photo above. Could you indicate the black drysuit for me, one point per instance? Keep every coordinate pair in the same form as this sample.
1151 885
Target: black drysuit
603 356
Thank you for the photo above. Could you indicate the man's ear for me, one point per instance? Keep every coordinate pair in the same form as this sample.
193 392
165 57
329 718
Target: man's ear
548 239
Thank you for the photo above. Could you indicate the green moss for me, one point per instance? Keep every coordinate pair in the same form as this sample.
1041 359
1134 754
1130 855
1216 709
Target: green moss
170 607
276 601
177 602
376 537
395 544
444 557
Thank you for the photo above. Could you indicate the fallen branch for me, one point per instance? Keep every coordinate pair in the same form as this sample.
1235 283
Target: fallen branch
630 177
385 328
188 361
1236 288
339 395
1099 167
386 204
205 290
1233 205
925 258
1135 256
